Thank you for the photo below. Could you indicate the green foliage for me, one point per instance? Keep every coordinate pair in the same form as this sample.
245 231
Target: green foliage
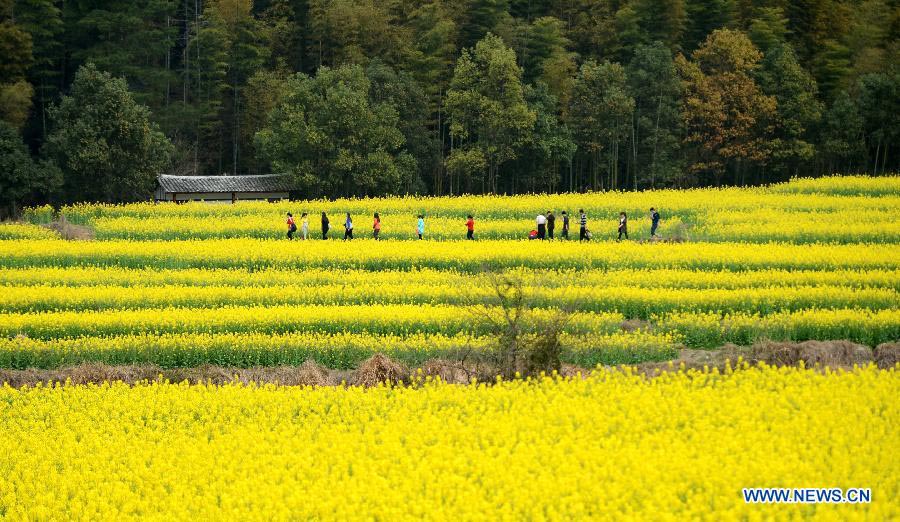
210 72
704 17
486 105
842 135
549 148
334 138
130 39
15 102
600 111
653 82
15 48
104 142
22 182
797 108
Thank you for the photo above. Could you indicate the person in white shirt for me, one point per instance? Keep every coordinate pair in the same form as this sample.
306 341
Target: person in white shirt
541 226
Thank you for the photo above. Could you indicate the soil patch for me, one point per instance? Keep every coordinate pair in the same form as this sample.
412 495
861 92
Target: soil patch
887 355
380 369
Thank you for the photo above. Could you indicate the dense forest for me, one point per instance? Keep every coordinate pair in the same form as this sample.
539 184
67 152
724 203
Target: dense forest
366 97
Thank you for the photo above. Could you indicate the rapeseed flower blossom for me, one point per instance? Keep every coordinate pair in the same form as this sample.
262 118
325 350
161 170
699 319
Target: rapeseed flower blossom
615 445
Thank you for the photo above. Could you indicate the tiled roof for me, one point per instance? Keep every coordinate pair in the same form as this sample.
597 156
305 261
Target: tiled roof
187 184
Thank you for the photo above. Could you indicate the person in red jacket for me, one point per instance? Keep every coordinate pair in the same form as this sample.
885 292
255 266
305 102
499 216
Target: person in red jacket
376 226
470 227
292 227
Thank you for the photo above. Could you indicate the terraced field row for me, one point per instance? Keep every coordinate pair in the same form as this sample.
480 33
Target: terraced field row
216 291
840 210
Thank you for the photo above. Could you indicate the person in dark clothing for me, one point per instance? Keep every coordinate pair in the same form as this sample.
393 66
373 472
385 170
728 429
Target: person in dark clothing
582 232
551 223
623 226
565 229
654 221
325 226
292 227
348 227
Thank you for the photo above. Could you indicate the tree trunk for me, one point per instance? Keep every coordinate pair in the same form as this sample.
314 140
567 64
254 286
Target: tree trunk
655 143
877 152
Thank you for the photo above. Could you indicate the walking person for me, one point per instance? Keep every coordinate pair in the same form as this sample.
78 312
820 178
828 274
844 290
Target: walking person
541 226
565 229
376 226
470 228
304 226
292 227
348 228
654 222
583 232
551 224
420 226
325 226
623 226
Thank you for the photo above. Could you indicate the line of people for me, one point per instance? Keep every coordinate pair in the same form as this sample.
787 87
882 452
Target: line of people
546 226
348 226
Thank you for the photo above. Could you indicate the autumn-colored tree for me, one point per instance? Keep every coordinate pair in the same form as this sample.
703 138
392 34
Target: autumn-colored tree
15 47
728 119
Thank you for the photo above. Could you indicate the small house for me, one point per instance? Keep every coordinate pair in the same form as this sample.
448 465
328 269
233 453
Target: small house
224 189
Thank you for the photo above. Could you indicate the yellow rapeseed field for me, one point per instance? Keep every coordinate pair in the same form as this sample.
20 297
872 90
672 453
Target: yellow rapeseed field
614 446
196 283
190 285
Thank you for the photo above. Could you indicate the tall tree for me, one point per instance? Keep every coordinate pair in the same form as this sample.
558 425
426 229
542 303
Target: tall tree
656 126
402 92
879 105
477 18
661 20
282 24
726 115
16 50
591 25
543 51
486 106
42 19
704 17
334 140
132 39
431 64
842 141
104 142
600 114
549 147
264 91
353 31
798 109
